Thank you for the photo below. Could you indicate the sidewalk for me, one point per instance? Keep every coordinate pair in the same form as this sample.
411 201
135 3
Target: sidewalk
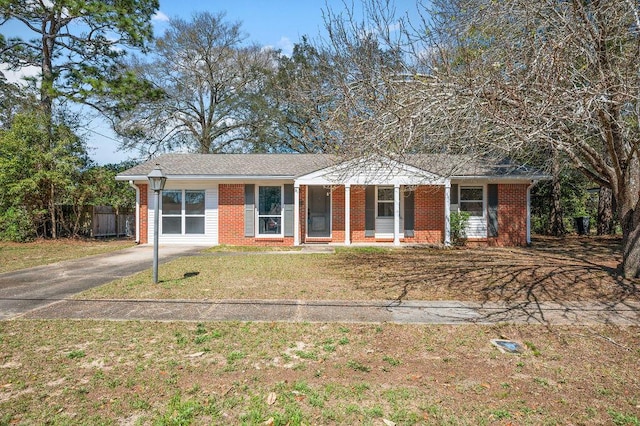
410 312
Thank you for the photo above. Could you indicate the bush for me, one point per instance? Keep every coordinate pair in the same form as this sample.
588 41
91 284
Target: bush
16 224
459 221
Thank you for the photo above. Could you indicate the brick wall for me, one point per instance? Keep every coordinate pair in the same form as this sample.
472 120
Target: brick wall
358 214
512 215
144 214
337 214
429 215
231 220
428 211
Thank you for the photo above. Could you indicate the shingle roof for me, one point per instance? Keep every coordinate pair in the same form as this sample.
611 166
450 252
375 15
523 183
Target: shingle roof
295 165
448 165
280 165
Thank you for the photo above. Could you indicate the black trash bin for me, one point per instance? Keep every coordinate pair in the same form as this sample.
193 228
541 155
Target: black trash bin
582 224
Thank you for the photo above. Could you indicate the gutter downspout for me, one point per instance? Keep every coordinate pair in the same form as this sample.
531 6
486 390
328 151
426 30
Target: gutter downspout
134 186
533 182
447 213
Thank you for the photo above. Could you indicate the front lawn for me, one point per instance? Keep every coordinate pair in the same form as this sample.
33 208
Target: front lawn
143 373
569 269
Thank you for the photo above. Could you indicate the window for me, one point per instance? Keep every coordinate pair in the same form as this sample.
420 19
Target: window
471 200
182 212
385 201
270 210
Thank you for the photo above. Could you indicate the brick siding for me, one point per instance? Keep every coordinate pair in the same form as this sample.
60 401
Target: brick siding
231 220
428 216
358 214
512 215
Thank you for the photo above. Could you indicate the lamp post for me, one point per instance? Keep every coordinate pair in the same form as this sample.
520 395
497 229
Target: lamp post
156 182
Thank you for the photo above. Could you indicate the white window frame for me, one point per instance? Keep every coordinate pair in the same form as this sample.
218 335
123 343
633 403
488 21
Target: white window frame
379 201
258 215
483 201
183 212
402 195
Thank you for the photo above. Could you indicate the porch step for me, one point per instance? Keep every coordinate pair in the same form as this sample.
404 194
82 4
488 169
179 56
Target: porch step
318 248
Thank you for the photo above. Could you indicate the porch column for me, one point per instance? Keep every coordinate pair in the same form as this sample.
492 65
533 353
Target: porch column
447 213
296 214
396 214
347 214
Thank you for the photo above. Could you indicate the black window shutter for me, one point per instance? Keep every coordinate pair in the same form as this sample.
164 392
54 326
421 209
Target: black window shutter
409 214
249 210
492 200
454 193
288 211
370 211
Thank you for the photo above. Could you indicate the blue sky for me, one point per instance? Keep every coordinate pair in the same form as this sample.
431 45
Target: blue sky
273 23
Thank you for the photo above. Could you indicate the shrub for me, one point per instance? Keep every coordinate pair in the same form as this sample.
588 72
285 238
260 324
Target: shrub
16 225
459 221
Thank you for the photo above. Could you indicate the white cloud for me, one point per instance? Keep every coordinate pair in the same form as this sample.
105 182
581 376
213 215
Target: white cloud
19 75
286 45
159 16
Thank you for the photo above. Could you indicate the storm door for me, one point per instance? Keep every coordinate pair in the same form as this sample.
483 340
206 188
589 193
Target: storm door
319 212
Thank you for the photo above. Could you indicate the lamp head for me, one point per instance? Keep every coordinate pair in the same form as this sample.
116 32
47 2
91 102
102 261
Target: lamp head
156 178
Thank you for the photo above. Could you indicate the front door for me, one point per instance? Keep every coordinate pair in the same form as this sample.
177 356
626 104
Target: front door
319 212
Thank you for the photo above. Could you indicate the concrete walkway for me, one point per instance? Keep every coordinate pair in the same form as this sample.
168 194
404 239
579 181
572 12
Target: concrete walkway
46 293
410 312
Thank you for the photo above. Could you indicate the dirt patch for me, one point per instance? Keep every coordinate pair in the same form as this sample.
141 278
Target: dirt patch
552 269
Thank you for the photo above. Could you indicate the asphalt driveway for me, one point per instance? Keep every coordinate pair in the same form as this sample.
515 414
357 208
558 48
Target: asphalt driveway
28 289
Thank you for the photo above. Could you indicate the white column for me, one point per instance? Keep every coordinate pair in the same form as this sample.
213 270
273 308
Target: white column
447 213
347 214
296 214
396 214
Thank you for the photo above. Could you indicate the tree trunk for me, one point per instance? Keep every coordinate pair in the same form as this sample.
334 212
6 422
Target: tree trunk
605 211
52 211
631 243
556 222
628 199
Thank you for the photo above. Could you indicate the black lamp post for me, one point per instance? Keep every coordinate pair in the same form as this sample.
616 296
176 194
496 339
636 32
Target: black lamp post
156 182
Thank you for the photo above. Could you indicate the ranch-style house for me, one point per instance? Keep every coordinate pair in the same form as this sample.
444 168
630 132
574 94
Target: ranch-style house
294 199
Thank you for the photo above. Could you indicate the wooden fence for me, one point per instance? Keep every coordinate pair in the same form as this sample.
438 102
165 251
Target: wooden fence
94 221
106 223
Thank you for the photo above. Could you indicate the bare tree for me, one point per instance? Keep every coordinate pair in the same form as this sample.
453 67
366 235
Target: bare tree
301 95
518 78
211 82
